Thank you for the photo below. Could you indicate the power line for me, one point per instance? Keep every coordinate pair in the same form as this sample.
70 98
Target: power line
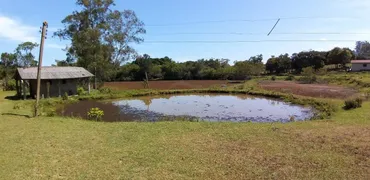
245 41
246 33
241 20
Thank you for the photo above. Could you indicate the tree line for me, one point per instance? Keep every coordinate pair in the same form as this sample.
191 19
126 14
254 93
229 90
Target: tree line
204 69
208 69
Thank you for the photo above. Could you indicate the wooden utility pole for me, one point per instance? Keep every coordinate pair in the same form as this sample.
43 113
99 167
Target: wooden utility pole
43 37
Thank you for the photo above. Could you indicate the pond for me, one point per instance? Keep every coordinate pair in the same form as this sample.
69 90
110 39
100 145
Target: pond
196 107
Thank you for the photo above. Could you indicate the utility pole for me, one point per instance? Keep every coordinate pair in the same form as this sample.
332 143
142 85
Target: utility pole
43 37
95 80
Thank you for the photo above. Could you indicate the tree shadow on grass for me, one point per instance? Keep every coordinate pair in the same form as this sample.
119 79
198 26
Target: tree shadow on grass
16 98
13 98
13 114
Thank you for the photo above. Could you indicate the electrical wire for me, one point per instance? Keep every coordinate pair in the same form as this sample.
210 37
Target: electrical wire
251 34
244 41
242 20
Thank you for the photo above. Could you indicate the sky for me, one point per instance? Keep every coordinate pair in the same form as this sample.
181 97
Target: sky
181 21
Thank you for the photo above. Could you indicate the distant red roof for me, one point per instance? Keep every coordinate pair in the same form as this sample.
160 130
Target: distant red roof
360 61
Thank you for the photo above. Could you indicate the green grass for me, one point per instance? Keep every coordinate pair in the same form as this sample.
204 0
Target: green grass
62 148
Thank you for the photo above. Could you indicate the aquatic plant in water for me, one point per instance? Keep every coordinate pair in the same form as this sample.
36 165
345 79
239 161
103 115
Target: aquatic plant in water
95 114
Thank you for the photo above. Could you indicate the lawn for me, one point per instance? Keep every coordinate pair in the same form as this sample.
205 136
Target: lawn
61 148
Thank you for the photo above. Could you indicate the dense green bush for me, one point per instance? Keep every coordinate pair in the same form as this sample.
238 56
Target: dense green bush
81 91
273 78
352 103
11 86
290 78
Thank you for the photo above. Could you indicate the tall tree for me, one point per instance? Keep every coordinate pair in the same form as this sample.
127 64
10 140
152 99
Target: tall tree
362 50
24 54
101 36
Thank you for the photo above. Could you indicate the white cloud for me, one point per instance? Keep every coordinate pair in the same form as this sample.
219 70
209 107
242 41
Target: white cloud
55 46
14 30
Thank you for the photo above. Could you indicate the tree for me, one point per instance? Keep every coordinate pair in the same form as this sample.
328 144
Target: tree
7 67
272 64
128 72
101 36
279 64
156 72
244 69
307 59
256 59
339 56
8 60
145 63
24 54
284 63
362 50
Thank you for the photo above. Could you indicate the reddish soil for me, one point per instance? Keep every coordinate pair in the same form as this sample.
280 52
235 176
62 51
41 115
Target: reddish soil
312 90
165 85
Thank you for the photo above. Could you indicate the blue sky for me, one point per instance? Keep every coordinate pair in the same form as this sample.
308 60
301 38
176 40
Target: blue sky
20 21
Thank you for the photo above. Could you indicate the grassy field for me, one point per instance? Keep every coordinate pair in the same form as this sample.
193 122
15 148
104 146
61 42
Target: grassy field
62 148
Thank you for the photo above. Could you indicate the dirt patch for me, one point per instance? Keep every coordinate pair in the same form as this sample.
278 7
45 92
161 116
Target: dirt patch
165 85
312 90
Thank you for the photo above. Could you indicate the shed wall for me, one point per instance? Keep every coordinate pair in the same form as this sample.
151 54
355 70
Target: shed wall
360 67
68 86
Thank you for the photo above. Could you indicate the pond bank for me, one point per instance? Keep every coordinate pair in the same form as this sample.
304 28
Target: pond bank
325 108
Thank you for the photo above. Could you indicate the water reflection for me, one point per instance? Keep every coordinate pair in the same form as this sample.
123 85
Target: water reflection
213 108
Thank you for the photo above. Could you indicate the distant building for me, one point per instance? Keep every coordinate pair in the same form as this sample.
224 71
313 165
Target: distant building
55 81
360 65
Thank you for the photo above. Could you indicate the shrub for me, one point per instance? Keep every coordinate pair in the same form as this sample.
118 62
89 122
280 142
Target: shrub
11 86
290 78
105 90
51 113
65 96
309 76
322 71
353 103
81 91
95 114
273 78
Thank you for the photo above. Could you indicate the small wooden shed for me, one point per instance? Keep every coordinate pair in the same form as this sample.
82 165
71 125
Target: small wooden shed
55 81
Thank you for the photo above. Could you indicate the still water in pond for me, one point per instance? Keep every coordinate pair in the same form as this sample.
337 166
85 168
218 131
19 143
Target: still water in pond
235 108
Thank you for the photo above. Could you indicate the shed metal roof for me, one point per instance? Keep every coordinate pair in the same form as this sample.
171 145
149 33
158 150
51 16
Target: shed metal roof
360 61
54 73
